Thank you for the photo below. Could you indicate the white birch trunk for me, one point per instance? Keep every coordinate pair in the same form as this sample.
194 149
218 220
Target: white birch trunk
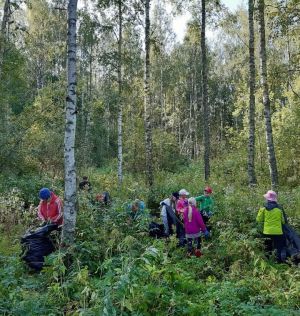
251 140
148 128
120 112
70 197
206 132
266 98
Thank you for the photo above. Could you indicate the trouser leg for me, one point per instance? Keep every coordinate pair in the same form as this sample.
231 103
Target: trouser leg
190 245
279 244
198 242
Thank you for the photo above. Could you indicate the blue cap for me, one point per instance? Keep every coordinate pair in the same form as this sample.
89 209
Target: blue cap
44 194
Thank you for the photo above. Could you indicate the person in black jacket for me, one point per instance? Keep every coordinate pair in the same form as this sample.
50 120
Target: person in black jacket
85 184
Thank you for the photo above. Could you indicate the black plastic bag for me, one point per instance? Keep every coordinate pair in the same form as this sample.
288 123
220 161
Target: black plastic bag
36 245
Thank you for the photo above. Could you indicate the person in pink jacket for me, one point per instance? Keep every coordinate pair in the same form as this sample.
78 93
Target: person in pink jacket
194 225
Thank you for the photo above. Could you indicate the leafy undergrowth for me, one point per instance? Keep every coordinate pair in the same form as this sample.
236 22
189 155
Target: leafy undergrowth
116 269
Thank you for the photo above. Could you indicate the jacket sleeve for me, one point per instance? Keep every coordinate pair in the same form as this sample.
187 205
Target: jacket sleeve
199 198
59 210
282 218
164 218
40 215
260 215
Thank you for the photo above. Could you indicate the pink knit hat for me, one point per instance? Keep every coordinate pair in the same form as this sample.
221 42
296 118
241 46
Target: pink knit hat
271 196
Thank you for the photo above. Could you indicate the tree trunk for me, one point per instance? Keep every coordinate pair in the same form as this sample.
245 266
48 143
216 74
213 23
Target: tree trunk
4 31
206 136
251 141
147 105
266 99
120 112
70 197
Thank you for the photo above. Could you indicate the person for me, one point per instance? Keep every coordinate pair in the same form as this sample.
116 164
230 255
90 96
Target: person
181 204
85 184
168 213
272 217
194 225
136 209
102 199
50 207
206 204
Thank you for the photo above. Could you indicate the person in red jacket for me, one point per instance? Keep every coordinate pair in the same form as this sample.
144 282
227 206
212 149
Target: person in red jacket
50 207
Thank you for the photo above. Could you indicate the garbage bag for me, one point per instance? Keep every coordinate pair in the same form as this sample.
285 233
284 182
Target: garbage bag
36 245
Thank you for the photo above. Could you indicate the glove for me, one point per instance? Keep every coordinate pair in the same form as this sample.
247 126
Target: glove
206 234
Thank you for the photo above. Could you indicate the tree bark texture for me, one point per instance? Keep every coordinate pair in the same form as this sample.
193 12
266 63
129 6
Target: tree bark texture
4 31
70 198
147 105
266 99
206 133
251 141
120 112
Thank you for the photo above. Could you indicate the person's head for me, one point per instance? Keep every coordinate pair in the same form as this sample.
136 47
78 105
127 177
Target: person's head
183 193
84 178
271 196
175 196
135 205
192 201
44 194
208 190
100 197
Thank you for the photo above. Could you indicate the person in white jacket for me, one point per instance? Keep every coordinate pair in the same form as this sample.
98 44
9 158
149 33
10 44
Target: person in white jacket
168 213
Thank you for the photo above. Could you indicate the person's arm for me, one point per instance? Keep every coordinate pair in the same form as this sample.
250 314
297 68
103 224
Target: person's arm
40 215
165 219
199 198
59 211
260 215
282 218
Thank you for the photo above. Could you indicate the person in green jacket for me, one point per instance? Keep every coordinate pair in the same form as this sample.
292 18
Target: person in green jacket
206 204
272 218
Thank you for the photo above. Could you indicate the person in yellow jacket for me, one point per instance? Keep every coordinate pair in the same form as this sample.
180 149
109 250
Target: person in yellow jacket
272 218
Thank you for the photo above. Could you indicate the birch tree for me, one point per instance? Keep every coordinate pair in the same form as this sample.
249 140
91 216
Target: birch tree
251 140
147 105
4 30
70 128
206 134
120 112
266 99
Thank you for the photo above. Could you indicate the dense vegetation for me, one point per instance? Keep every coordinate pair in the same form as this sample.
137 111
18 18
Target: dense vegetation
114 268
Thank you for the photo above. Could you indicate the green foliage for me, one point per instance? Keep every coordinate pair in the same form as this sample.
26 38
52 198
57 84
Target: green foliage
114 268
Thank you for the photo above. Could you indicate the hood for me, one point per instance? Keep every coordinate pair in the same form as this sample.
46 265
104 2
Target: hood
165 202
270 205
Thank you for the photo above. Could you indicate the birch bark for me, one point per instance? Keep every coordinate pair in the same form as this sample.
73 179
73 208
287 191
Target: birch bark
251 140
70 198
120 112
266 98
147 105
206 132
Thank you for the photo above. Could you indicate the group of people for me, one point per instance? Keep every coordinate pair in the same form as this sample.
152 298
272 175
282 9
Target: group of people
50 208
189 216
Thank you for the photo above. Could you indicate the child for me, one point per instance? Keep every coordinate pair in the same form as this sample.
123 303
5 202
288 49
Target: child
193 224
206 204
272 217
181 205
